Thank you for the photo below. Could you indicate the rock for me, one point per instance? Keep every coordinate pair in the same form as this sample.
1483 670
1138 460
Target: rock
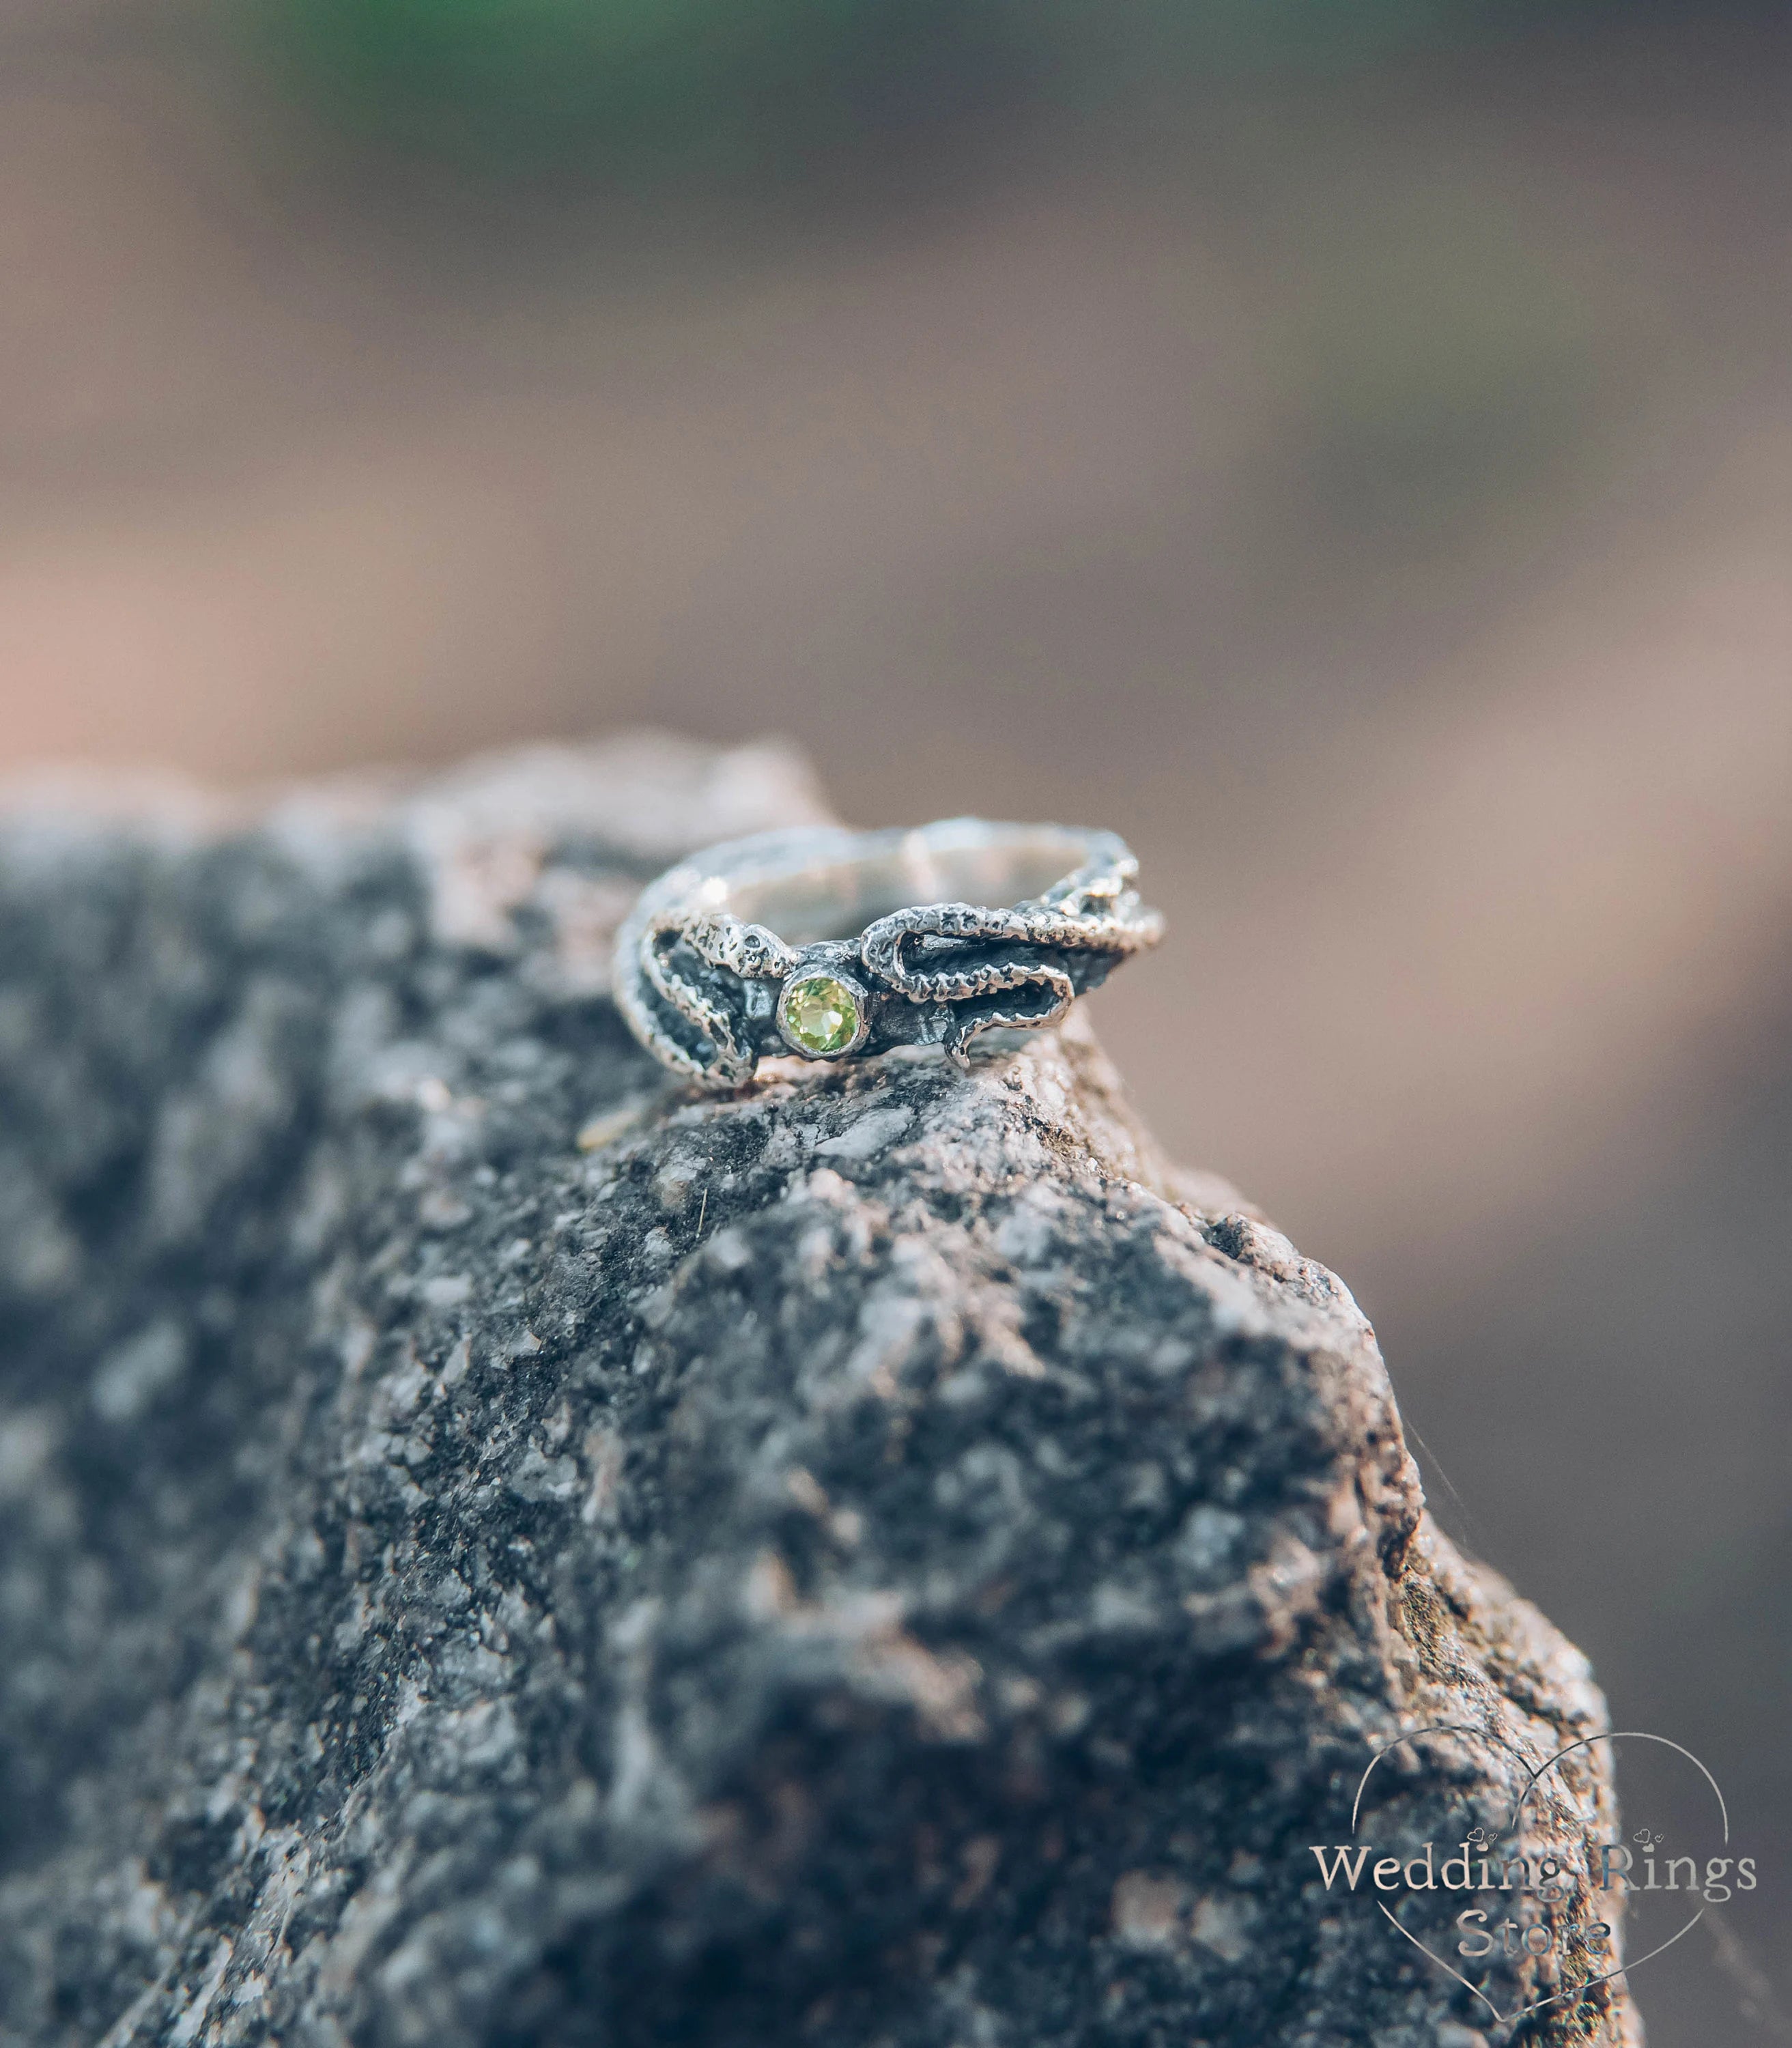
496 1550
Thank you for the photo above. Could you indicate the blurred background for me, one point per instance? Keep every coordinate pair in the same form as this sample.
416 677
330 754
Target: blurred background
1346 445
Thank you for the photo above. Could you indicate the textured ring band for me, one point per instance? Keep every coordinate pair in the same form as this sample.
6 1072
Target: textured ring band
832 944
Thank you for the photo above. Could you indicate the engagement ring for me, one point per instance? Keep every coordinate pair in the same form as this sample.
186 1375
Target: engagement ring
835 945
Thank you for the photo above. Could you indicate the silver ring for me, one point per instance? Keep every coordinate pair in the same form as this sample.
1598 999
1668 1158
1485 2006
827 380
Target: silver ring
834 945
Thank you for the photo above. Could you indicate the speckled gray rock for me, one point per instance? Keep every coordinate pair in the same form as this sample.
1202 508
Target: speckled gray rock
495 1551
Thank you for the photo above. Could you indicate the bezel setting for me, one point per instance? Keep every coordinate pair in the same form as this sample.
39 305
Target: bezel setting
802 976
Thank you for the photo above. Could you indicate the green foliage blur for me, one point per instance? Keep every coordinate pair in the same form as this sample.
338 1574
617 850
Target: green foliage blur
771 85
653 85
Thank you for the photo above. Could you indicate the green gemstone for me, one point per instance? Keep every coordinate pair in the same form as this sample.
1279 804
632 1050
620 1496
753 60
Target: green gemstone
820 1014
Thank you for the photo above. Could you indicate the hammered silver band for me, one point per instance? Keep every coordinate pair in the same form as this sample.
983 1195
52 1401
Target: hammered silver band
835 945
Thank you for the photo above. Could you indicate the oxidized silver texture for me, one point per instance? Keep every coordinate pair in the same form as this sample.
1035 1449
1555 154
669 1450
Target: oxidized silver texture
699 966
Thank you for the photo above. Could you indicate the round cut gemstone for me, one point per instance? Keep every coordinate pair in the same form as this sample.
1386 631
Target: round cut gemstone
820 1013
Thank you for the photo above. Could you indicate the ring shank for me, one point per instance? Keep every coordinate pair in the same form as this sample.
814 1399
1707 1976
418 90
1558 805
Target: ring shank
817 885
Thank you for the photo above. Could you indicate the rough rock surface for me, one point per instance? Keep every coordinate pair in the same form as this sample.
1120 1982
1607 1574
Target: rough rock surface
495 1551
